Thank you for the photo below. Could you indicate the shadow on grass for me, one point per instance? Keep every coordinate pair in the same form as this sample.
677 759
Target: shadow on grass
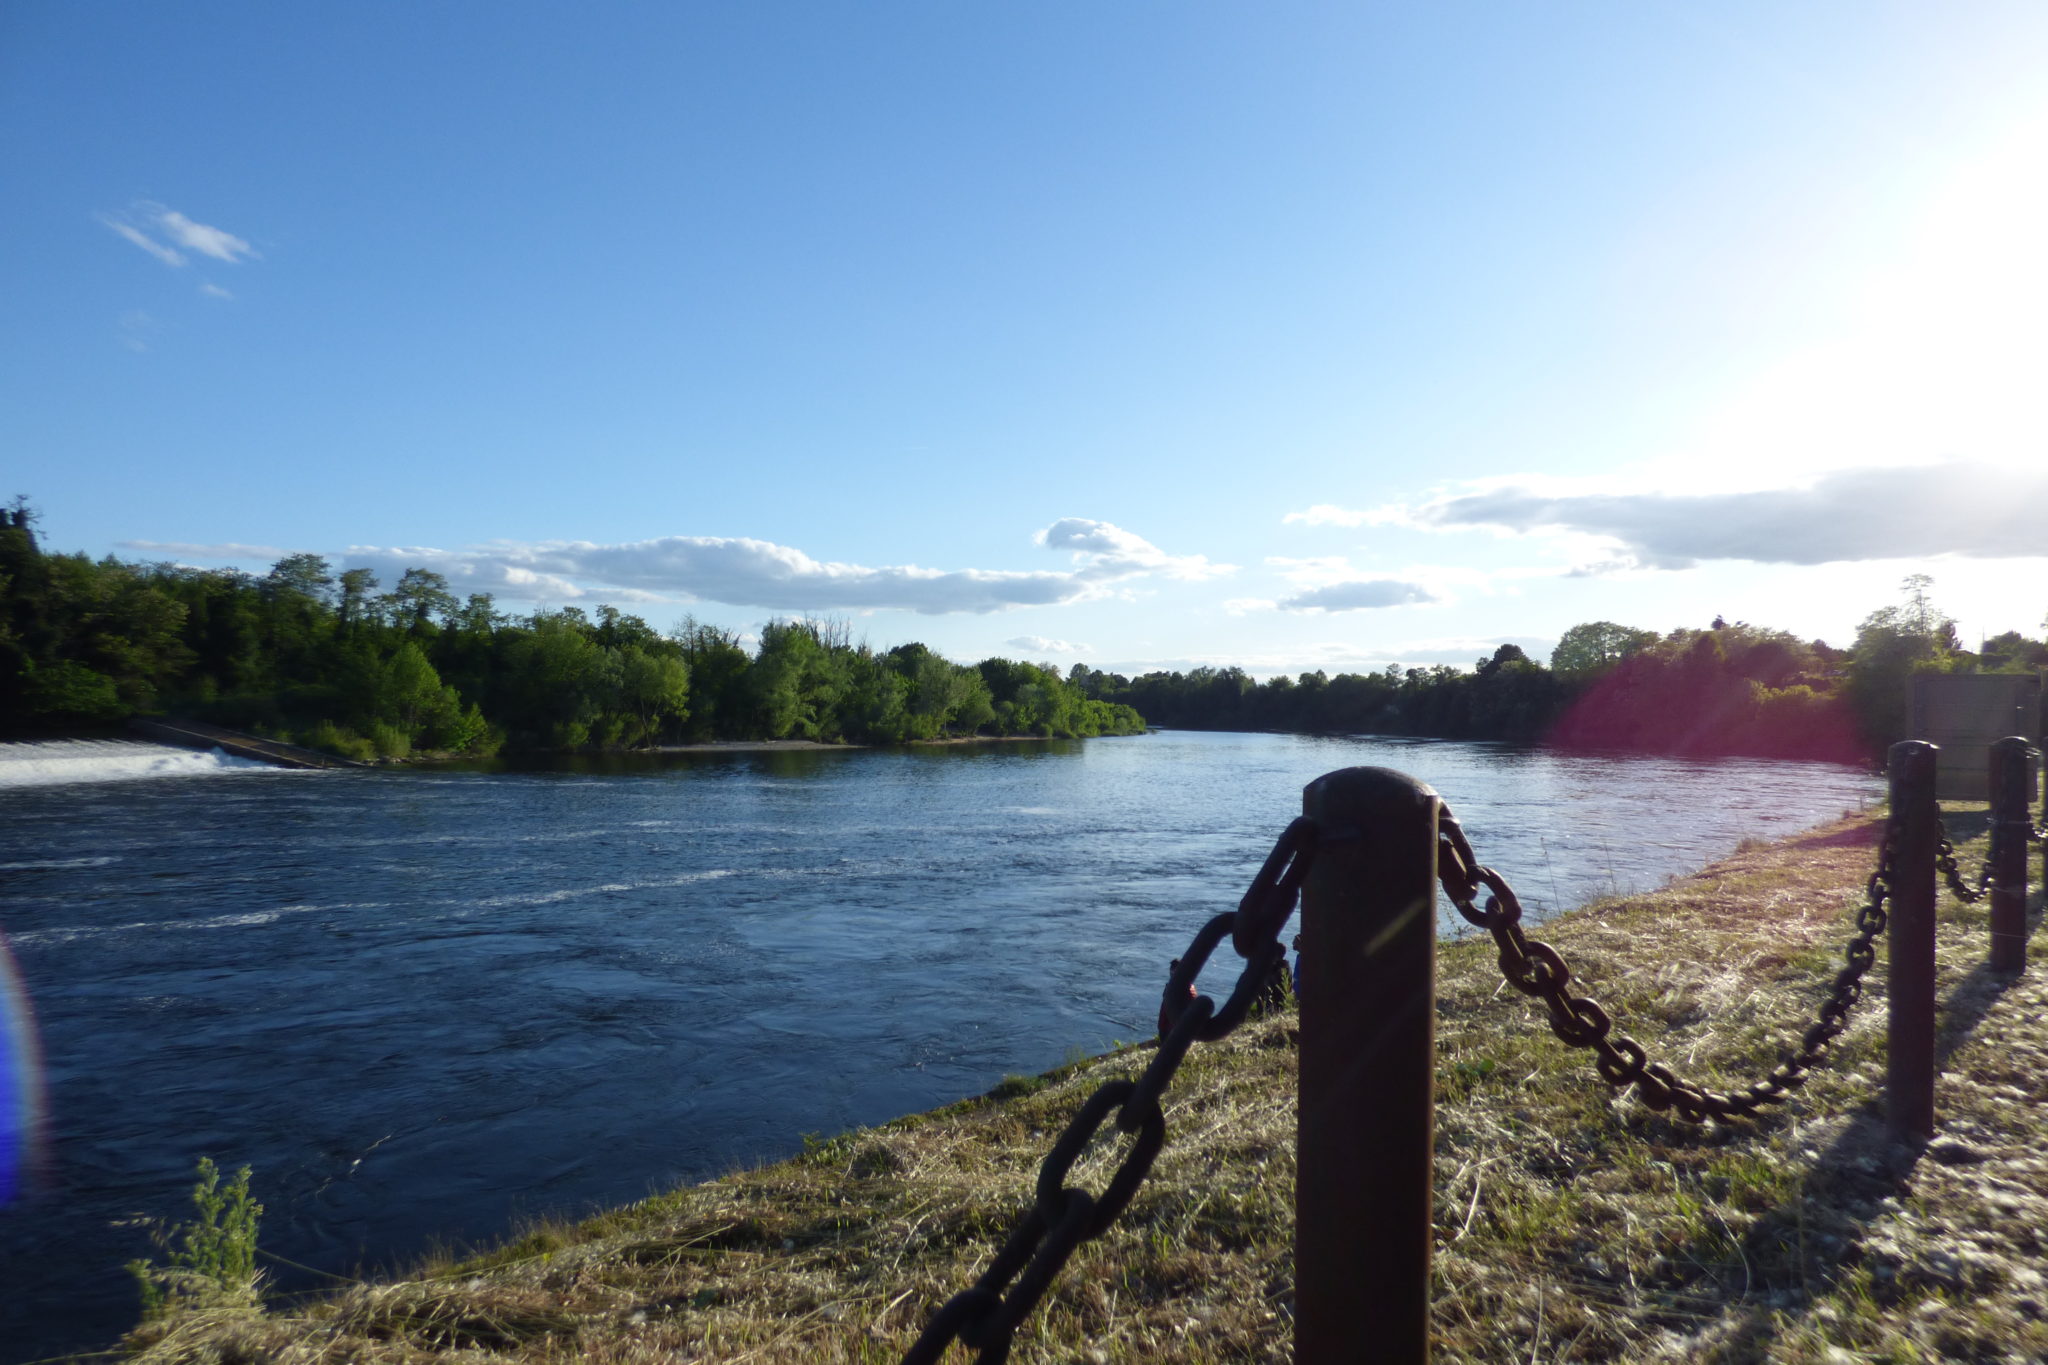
1795 1253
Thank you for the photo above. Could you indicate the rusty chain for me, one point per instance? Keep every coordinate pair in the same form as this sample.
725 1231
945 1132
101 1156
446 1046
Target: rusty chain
986 1315
1945 860
1535 969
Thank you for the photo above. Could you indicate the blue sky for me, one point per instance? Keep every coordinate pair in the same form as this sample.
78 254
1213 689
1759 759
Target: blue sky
1294 335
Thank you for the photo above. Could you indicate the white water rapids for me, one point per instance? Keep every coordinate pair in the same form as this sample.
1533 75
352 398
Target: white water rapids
61 762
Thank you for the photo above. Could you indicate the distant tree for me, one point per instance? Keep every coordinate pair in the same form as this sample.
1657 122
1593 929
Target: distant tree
1892 645
2012 652
419 596
305 577
1506 654
1587 650
655 688
355 604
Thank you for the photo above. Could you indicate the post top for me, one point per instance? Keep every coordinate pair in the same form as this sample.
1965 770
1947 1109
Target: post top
1354 788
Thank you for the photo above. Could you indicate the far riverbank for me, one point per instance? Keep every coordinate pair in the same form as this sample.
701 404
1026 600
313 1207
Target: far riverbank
783 746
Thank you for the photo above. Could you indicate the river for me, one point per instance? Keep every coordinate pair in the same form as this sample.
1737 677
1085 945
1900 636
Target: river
426 1003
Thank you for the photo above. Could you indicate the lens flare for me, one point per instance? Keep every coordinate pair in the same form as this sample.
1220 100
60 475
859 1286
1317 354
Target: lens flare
21 1085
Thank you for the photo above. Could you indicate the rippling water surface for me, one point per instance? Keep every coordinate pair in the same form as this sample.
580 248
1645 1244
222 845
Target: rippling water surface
422 1004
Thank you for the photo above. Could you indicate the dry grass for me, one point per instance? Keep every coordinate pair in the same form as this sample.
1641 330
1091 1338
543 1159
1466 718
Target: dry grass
1571 1226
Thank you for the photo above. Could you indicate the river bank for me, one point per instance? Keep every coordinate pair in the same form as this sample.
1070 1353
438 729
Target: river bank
1569 1225
773 746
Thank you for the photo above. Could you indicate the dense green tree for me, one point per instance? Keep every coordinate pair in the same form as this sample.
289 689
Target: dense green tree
718 666
418 599
1587 650
356 604
655 687
1894 643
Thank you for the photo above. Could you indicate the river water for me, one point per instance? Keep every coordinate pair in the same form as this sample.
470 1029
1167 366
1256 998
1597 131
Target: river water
424 1004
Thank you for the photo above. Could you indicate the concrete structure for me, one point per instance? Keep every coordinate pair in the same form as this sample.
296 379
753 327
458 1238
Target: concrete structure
192 734
1966 713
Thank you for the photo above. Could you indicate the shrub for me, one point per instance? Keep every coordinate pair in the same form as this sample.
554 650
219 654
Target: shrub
71 691
210 1261
389 740
339 740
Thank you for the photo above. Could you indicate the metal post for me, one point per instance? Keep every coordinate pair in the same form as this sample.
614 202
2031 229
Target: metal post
2010 781
1367 1120
1909 1073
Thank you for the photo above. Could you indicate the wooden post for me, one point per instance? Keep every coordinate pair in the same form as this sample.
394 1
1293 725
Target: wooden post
2010 782
1909 1072
1366 1125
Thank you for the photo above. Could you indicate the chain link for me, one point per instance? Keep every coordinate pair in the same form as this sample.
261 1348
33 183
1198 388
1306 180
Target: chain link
1945 861
1535 969
986 1315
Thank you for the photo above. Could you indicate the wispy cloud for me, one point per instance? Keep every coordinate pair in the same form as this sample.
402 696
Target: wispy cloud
268 554
214 291
757 573
142 239
1897 512
1358 595
1331 583
1039 644
207 241
1329 514
161 231
137 330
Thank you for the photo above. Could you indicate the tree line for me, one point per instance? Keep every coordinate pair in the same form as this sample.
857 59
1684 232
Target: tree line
330 660
1720 690
326 659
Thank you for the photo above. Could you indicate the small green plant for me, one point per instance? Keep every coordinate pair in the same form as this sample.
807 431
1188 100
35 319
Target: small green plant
337 739
390 741
209 1262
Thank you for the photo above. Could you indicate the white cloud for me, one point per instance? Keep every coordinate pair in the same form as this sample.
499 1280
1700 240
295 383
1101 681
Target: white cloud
1039 644
207 241
155 248
745 572
1330 583
144 223
1893 512
1103 552
214 291
1329 514
1359 594
1315 571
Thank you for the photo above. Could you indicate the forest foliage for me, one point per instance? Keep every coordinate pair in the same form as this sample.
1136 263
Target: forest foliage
1722 689
335 661
328 660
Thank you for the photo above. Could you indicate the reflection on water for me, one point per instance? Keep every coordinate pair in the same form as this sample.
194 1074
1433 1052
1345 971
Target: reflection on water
423 1004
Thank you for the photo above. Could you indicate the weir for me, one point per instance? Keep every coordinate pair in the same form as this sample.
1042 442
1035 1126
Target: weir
192 734
66 762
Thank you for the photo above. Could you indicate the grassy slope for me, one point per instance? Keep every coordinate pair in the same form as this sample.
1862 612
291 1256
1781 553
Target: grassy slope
1571 1226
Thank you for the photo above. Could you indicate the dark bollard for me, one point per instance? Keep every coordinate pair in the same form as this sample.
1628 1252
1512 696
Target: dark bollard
2010 781
1366 1125
1909 1072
